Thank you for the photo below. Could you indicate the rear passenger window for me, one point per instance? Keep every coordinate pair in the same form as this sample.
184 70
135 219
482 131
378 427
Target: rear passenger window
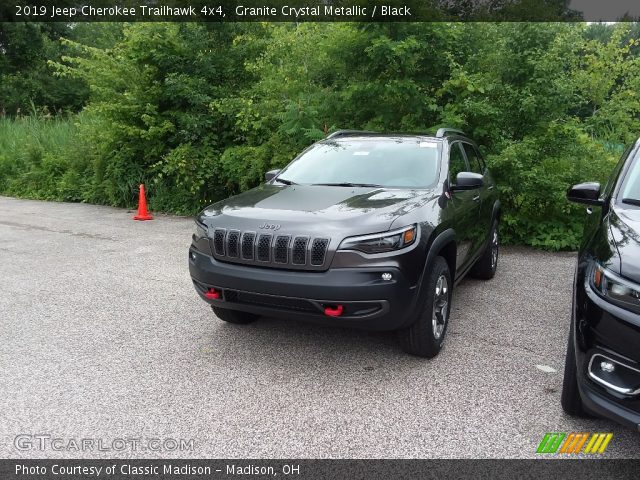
457 163
475 162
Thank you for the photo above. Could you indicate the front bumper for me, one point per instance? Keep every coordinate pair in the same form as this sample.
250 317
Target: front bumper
601 404
607 332
365 300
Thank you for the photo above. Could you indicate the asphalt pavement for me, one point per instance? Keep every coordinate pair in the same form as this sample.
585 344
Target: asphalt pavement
103 339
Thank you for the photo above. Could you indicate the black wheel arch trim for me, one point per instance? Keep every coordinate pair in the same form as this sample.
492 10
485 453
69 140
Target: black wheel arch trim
436 246
434 249
495 215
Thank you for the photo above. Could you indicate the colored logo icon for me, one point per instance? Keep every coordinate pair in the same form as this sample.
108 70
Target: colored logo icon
574 443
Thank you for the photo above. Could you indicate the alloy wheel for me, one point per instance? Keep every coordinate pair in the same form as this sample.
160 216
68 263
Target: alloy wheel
494 249
440 306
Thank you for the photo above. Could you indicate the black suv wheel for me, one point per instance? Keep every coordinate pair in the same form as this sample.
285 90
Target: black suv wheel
425 336
485 267
570 399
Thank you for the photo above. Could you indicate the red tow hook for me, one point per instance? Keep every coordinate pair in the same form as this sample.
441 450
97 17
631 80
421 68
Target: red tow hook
333 312
212 294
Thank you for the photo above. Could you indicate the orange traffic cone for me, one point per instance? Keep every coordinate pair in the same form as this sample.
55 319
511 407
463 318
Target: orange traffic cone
142 206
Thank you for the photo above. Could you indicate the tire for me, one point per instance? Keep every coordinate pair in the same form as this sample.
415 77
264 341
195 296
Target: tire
234 316
425 336
485 267
570 398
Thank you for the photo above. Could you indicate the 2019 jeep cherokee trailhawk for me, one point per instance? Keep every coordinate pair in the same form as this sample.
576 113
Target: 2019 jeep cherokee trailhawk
361 229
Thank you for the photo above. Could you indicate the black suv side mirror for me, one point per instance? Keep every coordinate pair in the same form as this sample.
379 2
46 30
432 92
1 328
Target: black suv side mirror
588 193
468 181
270 175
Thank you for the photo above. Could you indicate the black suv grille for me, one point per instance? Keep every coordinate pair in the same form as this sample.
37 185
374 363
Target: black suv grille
299 254
248 239
266 249
285 303
282 249
318 250
218 241
233 239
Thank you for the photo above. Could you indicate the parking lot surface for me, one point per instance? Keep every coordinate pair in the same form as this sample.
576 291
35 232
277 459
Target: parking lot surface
104 338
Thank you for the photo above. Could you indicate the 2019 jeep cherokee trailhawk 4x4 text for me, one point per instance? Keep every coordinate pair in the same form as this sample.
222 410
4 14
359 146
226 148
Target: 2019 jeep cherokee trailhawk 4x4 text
361 230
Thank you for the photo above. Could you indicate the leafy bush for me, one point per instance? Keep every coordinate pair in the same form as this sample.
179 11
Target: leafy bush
200 111
533 176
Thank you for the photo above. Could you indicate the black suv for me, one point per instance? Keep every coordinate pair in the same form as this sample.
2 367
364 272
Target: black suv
361 229
602 367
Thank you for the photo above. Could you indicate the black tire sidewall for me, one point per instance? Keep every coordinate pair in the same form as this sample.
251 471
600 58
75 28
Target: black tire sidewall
484 269
494 230
570 396
418 339
440 267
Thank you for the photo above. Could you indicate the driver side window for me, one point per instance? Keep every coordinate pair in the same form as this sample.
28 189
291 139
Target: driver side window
457 162
475 164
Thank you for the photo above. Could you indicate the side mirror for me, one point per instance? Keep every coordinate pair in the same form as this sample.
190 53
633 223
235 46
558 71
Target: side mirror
271 174
588 193
468 181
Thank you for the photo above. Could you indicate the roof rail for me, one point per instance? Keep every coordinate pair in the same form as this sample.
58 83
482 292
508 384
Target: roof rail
442 132
345 133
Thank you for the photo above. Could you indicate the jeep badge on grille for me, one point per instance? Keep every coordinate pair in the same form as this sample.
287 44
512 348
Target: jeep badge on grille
270 226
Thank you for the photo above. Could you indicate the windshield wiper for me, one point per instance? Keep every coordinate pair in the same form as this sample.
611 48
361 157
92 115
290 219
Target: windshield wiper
348 184
285 181
631 201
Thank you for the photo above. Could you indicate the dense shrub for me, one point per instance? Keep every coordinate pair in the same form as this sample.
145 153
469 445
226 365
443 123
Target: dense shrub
201 111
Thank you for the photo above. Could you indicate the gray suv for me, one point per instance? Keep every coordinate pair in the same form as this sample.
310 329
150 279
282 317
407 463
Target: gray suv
361 229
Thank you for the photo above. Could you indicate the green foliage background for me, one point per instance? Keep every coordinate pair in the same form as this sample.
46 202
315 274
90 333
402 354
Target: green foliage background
200 111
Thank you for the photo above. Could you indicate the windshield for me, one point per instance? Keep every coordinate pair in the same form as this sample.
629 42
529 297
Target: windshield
388 162
631 186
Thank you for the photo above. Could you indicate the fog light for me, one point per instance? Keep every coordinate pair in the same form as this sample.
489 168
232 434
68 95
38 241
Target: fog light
614 375
607 367
192 256
387 276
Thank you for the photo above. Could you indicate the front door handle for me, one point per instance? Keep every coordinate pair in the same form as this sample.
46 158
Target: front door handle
476 198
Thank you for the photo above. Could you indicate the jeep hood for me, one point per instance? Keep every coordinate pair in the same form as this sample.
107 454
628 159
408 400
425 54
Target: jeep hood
315 209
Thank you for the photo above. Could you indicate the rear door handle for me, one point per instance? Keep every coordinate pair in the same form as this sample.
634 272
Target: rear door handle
490 187
476 198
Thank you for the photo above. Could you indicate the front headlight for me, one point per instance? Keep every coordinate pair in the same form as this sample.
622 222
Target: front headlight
199 231
616 289
381 242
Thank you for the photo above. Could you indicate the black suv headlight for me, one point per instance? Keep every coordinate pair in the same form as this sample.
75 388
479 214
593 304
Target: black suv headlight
199 231
382 242
614 288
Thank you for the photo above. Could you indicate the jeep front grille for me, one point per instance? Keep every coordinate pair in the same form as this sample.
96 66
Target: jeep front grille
218 241
299 254
248 239
233 239
318 250
282 249
265 249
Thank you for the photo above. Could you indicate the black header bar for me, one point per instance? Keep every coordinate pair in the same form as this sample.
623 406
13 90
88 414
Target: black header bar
318 10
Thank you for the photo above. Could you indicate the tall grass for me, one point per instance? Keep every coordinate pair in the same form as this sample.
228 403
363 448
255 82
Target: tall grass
38 157
19 136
